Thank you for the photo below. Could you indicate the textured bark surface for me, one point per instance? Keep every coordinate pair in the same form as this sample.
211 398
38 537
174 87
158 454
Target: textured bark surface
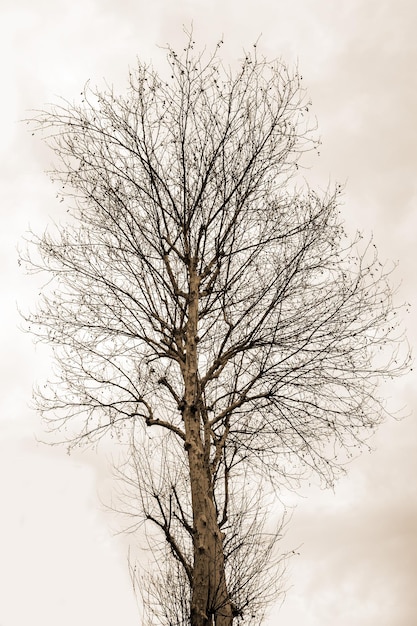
210 598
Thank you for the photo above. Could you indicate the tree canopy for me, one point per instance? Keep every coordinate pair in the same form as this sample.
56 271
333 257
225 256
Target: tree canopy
209 310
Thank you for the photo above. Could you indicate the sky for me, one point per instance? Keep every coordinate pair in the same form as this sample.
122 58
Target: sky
60 559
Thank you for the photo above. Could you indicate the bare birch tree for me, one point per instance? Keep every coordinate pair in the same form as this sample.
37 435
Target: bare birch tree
208 312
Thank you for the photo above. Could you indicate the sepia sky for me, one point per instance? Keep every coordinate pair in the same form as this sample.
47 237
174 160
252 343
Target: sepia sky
60 562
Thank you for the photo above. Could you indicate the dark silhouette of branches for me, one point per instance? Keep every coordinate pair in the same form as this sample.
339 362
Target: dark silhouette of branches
208 313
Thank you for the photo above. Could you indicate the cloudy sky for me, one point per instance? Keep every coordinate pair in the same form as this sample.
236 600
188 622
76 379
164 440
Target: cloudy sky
60 563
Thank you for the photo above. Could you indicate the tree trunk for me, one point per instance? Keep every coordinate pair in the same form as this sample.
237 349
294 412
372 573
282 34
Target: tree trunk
210 602
210 598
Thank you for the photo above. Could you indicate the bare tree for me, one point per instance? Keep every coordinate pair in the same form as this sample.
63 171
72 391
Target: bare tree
208 312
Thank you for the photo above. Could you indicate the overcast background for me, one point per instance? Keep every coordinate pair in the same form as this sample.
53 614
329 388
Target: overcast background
60 564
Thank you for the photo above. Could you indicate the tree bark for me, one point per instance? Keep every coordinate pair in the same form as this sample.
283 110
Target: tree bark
210 602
